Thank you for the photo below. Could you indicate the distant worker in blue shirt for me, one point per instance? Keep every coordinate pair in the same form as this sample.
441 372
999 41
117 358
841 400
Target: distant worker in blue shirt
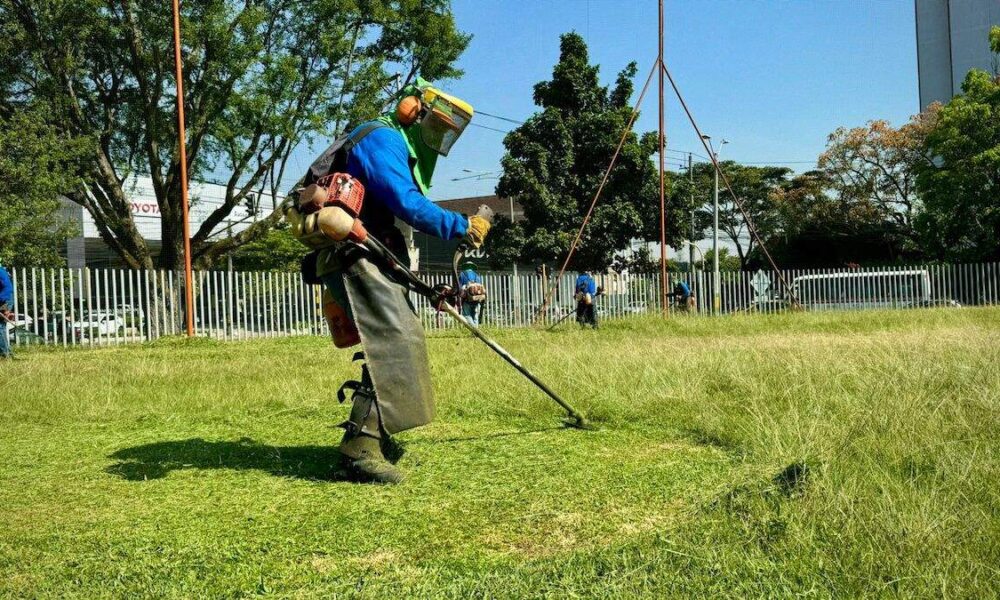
683 297
473 293
393 157
586 292
6 315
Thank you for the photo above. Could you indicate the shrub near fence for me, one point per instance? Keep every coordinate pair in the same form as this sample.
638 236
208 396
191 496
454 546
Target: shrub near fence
112 306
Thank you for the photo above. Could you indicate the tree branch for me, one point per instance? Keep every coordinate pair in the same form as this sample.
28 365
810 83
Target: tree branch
151 98
206 254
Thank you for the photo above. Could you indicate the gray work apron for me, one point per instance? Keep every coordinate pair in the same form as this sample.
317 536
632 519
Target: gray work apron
394 345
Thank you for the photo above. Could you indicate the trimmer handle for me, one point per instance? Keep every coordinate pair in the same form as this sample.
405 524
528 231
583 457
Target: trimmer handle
456 258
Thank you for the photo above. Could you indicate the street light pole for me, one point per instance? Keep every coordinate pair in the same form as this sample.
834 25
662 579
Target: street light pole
692 247
716 296
691 182
511 200
716 279
516 295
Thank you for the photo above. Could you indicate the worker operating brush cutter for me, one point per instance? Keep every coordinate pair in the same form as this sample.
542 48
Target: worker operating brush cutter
346 210
6 315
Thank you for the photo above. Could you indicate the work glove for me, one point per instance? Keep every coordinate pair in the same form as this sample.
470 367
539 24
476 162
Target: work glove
444 293
479 227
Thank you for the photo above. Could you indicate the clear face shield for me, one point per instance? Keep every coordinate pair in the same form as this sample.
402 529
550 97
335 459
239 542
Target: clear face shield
443 123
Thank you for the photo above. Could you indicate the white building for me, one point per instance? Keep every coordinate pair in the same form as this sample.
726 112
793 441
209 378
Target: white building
952 39
89 250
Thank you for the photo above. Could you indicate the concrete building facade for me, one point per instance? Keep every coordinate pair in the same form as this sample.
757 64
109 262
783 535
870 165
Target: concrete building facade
952 39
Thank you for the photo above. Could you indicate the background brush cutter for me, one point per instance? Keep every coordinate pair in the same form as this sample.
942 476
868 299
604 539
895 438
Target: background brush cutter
572 313
341 223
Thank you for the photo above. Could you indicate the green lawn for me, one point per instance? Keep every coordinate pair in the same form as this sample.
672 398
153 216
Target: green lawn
829 455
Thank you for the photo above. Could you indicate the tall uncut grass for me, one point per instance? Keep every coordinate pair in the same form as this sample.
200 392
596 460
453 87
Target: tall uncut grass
824 454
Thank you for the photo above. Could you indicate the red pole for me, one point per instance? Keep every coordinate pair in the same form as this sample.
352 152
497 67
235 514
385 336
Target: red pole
188 285
663 205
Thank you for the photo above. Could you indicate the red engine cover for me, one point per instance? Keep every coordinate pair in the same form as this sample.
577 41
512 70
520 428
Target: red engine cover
344 191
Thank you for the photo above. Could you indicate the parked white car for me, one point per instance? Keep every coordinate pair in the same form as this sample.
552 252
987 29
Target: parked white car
99 323
22 322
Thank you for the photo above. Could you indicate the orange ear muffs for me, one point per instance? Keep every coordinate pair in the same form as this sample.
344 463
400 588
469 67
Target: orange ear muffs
408 110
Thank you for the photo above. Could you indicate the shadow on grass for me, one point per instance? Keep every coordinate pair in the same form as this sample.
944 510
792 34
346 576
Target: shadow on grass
157 460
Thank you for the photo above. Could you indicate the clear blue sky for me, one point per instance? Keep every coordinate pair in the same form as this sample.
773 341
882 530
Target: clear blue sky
772 77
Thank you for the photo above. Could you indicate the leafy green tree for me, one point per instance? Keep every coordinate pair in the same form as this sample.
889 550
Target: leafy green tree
752 185
31 232
727 262
276 251
555 161
960 188
995 47
876 165
260 77
820 227
639 261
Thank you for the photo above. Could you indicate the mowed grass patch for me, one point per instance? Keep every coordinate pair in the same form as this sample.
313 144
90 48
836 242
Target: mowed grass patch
837 454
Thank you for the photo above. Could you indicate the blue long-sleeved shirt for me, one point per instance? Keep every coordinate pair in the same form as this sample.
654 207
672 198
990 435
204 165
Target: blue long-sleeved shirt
381 162
586 284
469 276
6 288
682 290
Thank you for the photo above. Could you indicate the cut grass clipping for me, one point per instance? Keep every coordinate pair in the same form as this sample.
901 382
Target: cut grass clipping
828 454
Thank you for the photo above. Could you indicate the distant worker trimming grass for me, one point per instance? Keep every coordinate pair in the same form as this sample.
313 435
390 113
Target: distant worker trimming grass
683 296
393 159
6 316
473 293
586 291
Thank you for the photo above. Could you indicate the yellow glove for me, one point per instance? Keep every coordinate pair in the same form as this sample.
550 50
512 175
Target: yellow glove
479 226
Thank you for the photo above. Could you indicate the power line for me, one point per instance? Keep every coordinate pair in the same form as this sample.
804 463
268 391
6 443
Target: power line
686 152
490 128
508 119
749 162
677 151
778 162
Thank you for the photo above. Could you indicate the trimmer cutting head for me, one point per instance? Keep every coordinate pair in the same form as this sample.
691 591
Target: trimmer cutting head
579 422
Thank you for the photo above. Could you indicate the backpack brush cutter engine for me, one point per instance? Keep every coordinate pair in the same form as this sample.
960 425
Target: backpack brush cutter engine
339 221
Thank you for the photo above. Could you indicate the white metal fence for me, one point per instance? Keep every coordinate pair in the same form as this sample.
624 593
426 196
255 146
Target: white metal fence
112 306
100 307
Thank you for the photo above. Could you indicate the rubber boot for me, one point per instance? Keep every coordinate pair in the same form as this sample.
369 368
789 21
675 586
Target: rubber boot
361 448
362 458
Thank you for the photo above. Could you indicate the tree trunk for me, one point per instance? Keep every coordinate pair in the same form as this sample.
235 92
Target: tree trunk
172 250
742 255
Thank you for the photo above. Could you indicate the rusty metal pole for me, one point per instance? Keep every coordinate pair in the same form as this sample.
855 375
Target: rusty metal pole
181 137
751 228
663 205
